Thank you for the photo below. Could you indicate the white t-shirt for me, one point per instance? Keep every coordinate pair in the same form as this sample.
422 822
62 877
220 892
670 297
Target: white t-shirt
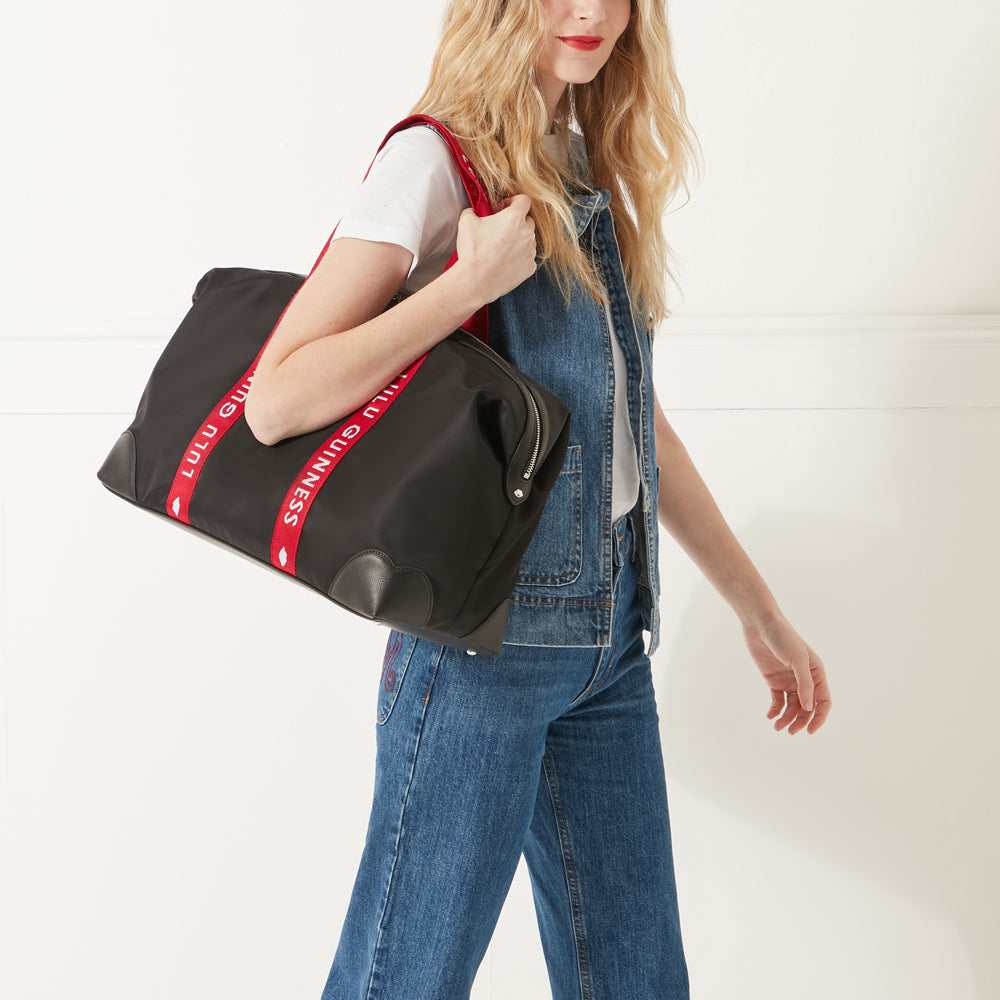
413 197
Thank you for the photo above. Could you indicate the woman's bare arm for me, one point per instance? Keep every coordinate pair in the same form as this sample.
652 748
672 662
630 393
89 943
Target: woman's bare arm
335 349
689 512
795 675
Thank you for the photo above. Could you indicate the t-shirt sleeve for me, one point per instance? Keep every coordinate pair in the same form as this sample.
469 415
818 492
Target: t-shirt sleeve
412 197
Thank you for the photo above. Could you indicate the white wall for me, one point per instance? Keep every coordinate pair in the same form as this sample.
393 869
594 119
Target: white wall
184 798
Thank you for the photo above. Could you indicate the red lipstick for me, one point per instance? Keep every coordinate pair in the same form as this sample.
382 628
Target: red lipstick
586 43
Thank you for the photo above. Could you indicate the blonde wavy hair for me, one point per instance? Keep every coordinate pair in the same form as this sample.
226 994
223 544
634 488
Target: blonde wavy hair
640 144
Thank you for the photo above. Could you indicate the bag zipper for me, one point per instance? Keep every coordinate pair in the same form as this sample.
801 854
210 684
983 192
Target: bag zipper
533 409
529 471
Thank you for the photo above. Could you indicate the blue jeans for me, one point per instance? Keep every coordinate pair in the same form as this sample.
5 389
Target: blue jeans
552 751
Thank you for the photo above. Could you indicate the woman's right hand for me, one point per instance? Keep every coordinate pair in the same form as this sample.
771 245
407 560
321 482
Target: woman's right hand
497 252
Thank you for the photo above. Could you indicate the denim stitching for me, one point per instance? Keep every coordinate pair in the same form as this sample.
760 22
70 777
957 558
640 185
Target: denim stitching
385 710
600 674
574 565
572 885
373 978
560 602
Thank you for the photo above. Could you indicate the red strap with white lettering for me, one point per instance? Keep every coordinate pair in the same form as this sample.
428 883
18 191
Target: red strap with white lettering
299 499
230 408
211 432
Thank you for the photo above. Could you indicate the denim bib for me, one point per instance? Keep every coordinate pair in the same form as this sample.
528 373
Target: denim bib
564 589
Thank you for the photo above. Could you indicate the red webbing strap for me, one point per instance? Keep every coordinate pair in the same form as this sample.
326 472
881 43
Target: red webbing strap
230 408
295 509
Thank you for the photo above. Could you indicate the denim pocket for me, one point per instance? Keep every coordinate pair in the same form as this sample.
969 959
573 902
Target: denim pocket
555 555
398 650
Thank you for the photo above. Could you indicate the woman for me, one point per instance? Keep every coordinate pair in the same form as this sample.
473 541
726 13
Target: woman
551 748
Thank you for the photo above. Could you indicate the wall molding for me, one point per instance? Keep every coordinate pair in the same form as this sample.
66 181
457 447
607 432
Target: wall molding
702 363
941 330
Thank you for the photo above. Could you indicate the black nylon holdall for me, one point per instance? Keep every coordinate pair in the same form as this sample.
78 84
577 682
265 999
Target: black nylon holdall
413 511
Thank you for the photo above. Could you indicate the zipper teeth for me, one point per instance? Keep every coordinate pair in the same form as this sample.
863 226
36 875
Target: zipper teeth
529 471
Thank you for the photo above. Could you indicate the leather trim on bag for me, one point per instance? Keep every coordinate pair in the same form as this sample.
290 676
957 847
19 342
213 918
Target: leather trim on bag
372 585
118 471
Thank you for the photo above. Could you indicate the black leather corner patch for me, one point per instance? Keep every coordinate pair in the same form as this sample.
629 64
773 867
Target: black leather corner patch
371 584
118 470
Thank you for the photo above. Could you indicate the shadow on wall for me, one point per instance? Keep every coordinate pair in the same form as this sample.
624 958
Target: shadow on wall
903 774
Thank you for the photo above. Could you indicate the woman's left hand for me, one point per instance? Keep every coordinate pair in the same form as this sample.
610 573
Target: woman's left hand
800 695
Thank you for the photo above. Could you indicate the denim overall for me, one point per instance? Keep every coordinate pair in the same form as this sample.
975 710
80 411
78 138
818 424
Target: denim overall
563 595
550 749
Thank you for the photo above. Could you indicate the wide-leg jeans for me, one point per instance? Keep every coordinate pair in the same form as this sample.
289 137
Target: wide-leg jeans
553 752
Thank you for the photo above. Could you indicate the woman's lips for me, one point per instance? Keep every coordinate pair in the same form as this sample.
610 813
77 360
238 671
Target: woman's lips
586 43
